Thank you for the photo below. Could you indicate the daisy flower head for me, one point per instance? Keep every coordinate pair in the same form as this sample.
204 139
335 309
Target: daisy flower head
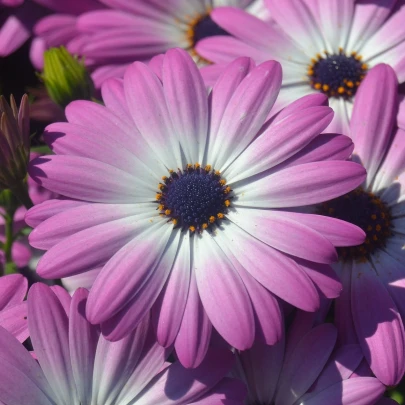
77 366
325 46
371 308
307 368
176 203
139 30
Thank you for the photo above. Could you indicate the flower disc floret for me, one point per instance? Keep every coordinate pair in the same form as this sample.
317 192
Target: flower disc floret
194 198
367 211
337 75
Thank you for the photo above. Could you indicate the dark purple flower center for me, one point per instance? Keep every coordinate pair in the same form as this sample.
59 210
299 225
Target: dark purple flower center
368 212
205 27
194 198
337 75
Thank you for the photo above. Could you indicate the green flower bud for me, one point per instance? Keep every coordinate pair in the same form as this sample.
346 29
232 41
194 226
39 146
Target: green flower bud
65 77
14 142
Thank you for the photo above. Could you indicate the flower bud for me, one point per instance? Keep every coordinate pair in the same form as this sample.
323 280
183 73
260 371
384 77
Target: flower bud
65 77
14 142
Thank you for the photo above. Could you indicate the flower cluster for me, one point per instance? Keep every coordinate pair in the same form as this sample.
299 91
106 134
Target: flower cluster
216 213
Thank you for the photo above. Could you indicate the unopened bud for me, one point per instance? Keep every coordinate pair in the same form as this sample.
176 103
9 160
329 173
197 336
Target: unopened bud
14 142
66 77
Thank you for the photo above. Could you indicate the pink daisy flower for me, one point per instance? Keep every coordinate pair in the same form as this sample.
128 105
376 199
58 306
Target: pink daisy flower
372 303
127 31
305 367
78 366
13 308
179 201
323 45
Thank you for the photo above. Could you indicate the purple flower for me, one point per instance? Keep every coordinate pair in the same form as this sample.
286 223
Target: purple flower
372 303
127 31
78 366
306 368
177 203
323 45
13 309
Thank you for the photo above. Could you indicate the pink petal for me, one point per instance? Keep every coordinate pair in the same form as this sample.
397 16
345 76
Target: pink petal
245 113
12 290
118 282
273 269
195 330
167 312
279 142
305 184
223 294
49 336
83 338
372 123
306 363
186 98
378 325
14 320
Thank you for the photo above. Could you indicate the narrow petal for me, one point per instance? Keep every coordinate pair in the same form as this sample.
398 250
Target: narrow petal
147 105
83 338
195 330
372 123
281 141
14 320
118 282
187 101
378 325
245 113
305 184
283 233
90 248
223 294
87 179
12 290
273 269
305 363
340 233
168 310
49 336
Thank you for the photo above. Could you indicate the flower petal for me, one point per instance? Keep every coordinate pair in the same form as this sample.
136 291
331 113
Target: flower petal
378 325
305 184
372 123
12 290
223 294
49 336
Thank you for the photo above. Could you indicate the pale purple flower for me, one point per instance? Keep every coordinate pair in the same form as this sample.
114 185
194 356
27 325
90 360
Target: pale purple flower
372 302
77 366
128 31
13 308
212 242
306 368
323 45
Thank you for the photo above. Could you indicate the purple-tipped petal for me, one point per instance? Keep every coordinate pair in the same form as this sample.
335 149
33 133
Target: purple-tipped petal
372 123
305 184
378 325
12 290
223 294
49 336
83 338
195 330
